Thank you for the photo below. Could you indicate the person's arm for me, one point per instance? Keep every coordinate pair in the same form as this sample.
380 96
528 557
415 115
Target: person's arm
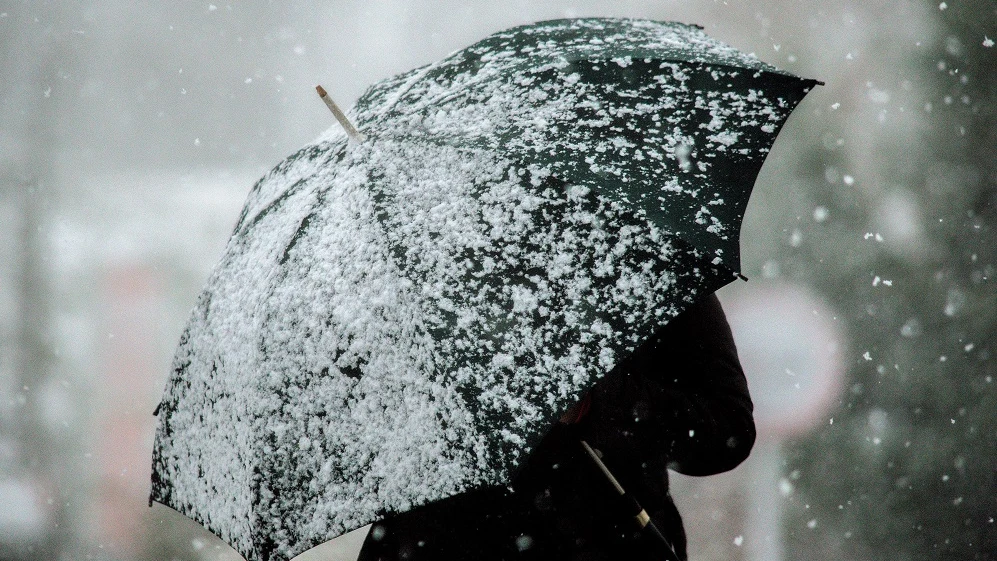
683 396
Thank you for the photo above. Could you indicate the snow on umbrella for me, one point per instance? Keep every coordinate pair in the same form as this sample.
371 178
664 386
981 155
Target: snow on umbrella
399 320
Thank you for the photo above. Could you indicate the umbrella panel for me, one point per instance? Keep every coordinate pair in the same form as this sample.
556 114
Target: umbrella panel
681 140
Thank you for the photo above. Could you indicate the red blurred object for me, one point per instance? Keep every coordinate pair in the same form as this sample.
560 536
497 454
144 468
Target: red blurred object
125 418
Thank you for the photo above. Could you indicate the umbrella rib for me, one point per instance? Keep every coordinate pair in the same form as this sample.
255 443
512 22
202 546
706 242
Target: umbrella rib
408 85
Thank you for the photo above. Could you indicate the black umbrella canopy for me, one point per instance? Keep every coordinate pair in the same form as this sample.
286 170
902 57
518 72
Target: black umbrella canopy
398 321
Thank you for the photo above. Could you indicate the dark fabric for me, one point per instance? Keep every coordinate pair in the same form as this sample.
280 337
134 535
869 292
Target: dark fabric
681 402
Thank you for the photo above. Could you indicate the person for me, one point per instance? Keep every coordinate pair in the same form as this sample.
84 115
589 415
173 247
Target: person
680 402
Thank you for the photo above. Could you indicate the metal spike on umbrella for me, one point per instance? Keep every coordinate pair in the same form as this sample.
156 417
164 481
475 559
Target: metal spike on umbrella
399 319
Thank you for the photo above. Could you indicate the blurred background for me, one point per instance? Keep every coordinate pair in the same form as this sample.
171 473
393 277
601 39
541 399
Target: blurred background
131 132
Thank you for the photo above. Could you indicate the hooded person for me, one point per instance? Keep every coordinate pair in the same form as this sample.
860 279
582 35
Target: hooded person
680 402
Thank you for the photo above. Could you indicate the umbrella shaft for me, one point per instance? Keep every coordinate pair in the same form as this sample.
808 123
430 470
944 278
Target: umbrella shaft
602 467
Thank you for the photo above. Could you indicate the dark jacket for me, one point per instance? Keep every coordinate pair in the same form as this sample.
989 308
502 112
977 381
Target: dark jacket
681 402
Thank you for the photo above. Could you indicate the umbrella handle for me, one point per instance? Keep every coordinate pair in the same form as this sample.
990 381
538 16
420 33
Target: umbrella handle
637 512
660 538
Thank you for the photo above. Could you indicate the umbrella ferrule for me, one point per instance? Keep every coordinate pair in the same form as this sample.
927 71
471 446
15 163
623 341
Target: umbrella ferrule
351 131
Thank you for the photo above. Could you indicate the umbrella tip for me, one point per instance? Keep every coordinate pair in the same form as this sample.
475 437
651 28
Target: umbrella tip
742 277
351 131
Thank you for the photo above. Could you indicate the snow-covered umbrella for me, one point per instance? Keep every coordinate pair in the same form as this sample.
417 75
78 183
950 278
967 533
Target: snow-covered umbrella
399 320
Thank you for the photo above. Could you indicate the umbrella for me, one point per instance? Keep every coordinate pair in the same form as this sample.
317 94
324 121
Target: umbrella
399 320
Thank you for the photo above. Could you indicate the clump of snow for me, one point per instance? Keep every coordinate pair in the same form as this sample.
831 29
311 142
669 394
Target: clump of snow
397 321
